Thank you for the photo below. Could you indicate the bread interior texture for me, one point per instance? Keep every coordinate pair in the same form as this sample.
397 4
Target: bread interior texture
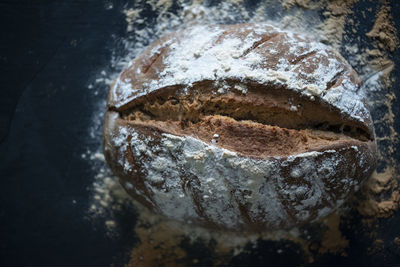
253 120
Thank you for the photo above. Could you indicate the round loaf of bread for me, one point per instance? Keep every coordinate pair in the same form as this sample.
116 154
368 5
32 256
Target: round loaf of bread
239 127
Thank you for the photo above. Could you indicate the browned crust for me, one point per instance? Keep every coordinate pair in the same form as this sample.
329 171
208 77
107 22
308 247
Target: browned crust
284 128
336 189
151 62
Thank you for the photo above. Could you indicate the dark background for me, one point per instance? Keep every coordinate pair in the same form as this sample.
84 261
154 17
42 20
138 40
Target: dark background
49 52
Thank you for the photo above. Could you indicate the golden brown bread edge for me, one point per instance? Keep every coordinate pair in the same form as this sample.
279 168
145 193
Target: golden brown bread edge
252 192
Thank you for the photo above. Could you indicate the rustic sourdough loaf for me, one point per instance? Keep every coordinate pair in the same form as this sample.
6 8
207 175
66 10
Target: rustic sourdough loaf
241 127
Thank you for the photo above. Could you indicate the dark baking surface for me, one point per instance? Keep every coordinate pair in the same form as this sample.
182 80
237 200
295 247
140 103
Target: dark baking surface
49 53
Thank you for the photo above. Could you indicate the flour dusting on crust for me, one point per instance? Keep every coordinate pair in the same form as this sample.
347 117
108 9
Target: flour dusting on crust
187 179
323 72
337 27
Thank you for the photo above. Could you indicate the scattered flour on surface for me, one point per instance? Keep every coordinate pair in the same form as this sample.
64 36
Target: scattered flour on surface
302 16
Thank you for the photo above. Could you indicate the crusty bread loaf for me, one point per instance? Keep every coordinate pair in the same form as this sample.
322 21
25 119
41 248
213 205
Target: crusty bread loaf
241 127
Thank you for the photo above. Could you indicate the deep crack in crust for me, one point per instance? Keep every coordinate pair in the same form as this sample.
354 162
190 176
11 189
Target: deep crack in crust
261 123
314 153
